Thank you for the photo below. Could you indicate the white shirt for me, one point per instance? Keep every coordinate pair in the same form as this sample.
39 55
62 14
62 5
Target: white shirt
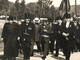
67 24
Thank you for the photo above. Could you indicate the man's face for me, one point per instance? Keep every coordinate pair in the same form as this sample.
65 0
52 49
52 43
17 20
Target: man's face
11 21
45 23
36 21
27 21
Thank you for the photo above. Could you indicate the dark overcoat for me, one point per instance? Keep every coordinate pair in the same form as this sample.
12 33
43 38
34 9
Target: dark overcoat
27 36
55 30
71 40
10 34
78 31
29 29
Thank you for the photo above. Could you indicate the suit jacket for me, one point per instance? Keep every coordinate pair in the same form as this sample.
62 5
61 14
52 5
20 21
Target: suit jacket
55 29
69 30
27 28
44 27
77 31
68 41
10 34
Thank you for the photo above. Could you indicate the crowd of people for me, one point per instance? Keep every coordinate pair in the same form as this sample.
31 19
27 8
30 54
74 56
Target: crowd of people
21 37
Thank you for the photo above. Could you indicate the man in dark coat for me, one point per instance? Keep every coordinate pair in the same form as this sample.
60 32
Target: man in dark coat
27 37
51 43
57 35
67 32
54 35
77 34
10 35
44 31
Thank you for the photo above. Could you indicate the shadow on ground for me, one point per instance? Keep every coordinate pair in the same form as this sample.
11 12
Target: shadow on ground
59 58
37 55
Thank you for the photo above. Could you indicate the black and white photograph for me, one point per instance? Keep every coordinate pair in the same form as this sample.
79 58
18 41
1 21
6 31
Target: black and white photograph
39 29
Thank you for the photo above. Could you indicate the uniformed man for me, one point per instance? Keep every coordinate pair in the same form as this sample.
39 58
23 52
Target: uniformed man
68 36
10 35
44 31
27 36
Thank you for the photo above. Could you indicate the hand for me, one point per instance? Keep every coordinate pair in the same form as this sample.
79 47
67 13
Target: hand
45 30
67 38
59 32
49 41
67 34
64 34
1 39
18 38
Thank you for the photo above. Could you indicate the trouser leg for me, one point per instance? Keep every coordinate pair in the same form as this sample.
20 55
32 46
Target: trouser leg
68 54
57 47
42 44
26 50
51 46
38 46
51 43
26 53
79 46
31 53
46 47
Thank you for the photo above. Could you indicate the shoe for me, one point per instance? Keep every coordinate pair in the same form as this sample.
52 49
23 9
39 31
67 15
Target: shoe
32 54
43 58
28 59
47 53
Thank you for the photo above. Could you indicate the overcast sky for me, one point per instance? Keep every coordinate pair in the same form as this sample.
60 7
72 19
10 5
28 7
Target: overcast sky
56 3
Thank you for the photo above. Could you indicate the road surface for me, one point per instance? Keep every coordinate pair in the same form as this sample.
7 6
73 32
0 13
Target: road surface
37 56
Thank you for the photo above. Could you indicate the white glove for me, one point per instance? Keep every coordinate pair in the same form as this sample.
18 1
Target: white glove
65 34
49 41
67 38
18 38
1 39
